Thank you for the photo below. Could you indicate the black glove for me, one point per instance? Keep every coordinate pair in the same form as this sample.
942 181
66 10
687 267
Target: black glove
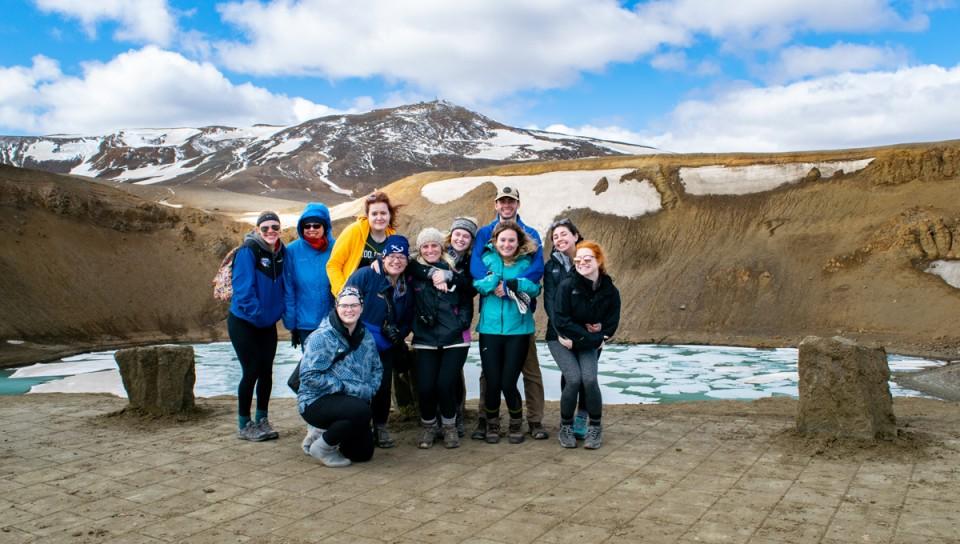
295 339
392 333
512 285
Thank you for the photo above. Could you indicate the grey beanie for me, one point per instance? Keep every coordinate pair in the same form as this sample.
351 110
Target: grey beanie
468 224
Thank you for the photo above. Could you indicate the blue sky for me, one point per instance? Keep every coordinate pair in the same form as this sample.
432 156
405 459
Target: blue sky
683 75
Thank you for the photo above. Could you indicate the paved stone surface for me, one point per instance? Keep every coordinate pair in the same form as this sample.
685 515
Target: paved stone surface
708 472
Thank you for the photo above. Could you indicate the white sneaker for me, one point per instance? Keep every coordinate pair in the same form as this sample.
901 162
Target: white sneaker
327 454
313 434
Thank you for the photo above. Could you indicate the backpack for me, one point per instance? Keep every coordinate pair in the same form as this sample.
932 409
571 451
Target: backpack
223 281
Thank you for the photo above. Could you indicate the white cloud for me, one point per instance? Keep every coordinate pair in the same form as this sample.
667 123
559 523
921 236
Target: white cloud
142 21
612 133
800 61
762 23
149 87
839 111
466 51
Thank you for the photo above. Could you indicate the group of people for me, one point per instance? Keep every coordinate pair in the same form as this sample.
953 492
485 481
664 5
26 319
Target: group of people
351 303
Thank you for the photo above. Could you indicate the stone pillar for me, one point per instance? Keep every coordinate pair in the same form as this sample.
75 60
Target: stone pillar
158 379
844 389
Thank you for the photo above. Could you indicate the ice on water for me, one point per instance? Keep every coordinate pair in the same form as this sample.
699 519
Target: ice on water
628 374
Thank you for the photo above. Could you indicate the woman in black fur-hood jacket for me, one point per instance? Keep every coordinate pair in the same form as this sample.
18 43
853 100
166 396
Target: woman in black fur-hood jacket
443 310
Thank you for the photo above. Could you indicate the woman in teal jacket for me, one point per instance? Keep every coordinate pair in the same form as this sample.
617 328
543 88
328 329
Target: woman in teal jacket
506 323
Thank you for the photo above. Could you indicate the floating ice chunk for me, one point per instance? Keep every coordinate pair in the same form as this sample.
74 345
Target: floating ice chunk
15 342
65 369
738 394
675 389
107 381
642 389
949 271
771 378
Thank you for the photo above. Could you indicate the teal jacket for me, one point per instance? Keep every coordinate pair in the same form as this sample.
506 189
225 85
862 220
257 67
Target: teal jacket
499 315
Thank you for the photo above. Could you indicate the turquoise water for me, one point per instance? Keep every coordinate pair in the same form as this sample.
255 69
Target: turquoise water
629 374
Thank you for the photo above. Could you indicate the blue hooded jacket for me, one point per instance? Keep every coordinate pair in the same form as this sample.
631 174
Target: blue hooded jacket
308 296
258 283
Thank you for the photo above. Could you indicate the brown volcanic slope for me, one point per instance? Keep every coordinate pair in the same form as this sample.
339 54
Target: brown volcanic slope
85 265
844 255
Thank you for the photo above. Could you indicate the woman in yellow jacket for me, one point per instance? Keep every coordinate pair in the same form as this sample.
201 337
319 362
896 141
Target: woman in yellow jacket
362 241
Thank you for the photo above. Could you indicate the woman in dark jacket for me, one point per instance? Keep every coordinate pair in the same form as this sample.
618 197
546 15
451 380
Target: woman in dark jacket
387 315
586 314
559 266
443 310
255 307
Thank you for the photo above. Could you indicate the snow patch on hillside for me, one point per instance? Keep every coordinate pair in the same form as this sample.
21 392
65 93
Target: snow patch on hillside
949 271
54 150
155 173
546 196
756 178
154 137
288 146
506 143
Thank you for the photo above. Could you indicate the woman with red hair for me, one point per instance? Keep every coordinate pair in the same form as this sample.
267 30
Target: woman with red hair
363 240
586 314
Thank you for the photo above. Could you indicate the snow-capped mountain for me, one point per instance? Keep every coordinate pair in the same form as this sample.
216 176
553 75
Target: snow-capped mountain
333 157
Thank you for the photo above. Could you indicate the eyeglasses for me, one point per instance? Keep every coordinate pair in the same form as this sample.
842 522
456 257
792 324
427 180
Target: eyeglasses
312 226
395 256
267 228
584 260
353 306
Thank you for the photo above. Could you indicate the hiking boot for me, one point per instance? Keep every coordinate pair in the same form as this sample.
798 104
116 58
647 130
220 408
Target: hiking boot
382 438
313 434
515 431
451 437
537 430
327 454
594 437
567 437
480 433
252 433
428 434
461 430
580 424
267 429
492 433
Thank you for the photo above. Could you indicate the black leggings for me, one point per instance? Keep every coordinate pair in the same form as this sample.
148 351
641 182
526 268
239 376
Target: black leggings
381 400
439 379
347 423
255 349
502 357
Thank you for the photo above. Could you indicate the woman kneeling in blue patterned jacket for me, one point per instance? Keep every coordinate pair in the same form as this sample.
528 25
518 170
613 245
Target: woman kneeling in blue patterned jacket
339 374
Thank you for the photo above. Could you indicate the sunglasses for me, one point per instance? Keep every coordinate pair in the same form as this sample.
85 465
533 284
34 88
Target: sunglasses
561 223
267 228
312 226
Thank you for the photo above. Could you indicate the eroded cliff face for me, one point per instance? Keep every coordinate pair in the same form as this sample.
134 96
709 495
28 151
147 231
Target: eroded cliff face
84 264
816 254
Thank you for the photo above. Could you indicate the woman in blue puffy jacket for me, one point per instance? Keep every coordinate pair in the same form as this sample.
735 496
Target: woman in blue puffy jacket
308 296
255 307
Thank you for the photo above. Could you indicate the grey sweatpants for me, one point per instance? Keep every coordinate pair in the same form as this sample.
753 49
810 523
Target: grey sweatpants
578 367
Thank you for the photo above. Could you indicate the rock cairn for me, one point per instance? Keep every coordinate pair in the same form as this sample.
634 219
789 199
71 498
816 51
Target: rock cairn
159 379
844 389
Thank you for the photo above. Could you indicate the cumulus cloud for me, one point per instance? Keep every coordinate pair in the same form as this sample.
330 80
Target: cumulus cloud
142 21
761 23
801 61
466 51
149 87
837 111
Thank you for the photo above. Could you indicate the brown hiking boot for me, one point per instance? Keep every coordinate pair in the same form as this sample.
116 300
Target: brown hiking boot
515 432
493 430
451 438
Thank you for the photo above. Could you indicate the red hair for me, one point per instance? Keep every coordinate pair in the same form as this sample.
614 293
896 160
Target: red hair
597 252
380 196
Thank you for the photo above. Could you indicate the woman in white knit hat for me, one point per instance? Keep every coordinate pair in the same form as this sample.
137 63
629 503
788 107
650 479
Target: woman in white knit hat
443 302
